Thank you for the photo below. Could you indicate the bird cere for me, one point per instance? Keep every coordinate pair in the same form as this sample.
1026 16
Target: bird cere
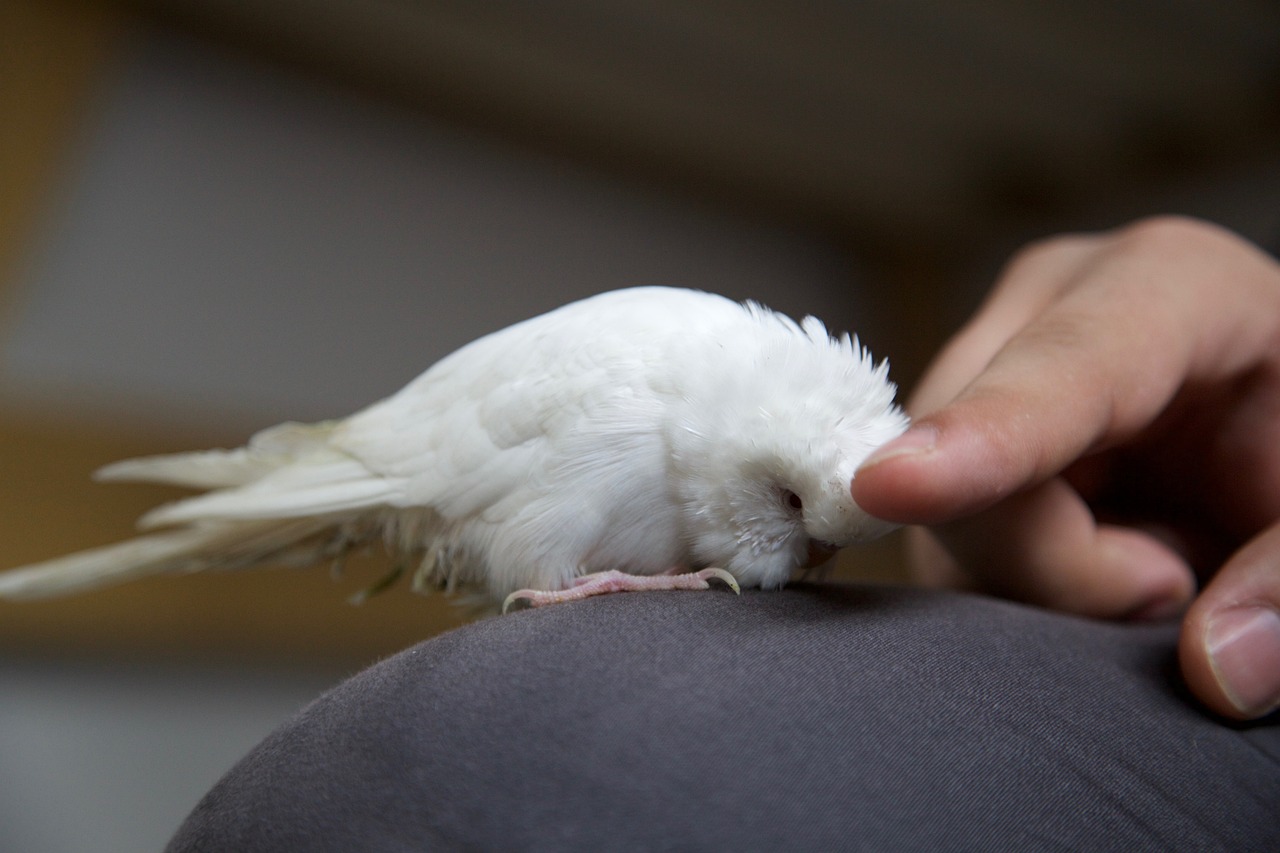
650 438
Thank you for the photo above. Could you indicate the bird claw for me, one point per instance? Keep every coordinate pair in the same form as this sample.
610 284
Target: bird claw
722 576
600 583
517 596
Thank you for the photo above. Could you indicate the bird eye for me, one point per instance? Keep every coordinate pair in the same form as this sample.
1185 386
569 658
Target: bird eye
793 500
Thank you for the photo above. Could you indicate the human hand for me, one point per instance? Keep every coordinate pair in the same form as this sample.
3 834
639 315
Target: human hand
1105 430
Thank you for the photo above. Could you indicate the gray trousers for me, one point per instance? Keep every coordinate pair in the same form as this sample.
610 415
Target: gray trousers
816 718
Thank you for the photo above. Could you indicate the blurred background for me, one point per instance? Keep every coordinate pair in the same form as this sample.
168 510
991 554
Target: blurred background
218 215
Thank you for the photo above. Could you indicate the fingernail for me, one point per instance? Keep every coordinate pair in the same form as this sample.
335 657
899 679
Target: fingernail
917 439
1244 651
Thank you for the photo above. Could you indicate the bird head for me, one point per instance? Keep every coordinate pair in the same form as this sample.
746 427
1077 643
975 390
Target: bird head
765 450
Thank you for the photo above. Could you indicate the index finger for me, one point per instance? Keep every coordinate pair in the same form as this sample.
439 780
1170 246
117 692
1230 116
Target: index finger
1166 303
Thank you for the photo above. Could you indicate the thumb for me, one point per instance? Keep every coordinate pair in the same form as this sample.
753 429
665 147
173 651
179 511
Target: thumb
1230 643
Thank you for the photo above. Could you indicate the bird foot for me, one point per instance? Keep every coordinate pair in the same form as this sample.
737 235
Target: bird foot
600 583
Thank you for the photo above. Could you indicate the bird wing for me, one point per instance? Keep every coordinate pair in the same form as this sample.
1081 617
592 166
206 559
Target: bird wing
478 428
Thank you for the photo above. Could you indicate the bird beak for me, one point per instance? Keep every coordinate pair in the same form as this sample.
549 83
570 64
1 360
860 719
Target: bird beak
819 553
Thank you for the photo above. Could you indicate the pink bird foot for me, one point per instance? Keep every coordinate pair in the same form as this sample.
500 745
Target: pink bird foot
600 583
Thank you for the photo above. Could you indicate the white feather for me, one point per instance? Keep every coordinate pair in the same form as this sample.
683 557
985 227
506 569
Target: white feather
189 549
215 469
640 430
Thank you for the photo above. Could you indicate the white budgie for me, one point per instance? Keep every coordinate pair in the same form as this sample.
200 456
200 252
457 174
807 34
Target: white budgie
643 438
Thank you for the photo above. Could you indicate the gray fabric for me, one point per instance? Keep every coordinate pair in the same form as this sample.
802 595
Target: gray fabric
813 718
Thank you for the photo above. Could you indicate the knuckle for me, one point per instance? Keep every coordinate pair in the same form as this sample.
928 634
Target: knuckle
1047 258
1173 233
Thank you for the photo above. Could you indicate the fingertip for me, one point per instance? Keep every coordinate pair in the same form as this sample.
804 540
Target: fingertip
1157 583
1230 643
920 438
1120 573
888 483
952 465
1233 661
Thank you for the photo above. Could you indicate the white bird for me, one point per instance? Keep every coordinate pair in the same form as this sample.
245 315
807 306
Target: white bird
643 438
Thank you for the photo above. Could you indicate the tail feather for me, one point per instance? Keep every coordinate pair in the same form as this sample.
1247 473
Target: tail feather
289 496
341 486
189 549
266 452
208 469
